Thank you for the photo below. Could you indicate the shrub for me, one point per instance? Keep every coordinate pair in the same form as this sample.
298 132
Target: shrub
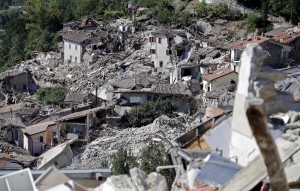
202 9
122 162
153 156
146 113
253 21
51 95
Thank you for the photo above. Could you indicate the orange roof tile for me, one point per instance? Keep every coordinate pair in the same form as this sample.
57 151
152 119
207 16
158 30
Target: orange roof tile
217 74
243 43
286 37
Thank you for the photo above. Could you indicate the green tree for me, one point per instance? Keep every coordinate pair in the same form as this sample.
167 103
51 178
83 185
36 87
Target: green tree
153 156
51 95
253 21
122 162
202 9
146 113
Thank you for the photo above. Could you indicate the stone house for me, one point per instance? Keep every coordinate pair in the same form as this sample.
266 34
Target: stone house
292 39
11 129
218 78
77 125
179 94
25 111
74 45
279 54
39 137
17 81
161 47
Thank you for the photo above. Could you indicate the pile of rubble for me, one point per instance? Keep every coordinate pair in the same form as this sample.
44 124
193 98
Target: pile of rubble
163 129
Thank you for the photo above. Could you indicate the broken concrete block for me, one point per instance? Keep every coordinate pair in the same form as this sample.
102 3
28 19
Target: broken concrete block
264 89
156 182
117 183
139 179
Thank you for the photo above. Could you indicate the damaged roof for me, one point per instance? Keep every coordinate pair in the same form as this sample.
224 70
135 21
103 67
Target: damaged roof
81 114
172 89
274 32
139 79
21 108
216 93
11 121
217 74
75 97
287 37
11 73
169 33
76 36
38 128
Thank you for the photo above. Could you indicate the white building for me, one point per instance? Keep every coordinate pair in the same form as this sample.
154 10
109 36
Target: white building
74 44
161 44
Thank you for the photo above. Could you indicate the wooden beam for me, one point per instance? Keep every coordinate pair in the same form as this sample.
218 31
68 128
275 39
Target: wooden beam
266 144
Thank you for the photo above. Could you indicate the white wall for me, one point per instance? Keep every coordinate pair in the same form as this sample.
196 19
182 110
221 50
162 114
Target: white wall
70 50
160 49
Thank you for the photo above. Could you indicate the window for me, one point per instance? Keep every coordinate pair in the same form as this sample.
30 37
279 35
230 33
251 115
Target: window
69 46
70 58
152 51
75 47
161 64
41 139
75 58
152 39
168 52
159 40
24 87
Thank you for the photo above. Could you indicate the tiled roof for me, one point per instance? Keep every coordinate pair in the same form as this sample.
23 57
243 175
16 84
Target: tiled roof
217 74
38 128
76 36
286 37
243 43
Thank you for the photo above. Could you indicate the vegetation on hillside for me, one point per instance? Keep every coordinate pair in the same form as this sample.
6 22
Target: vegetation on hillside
35 26
219 10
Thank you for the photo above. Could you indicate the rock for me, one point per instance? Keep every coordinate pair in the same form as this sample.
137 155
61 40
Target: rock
139 179
157 182
117 183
